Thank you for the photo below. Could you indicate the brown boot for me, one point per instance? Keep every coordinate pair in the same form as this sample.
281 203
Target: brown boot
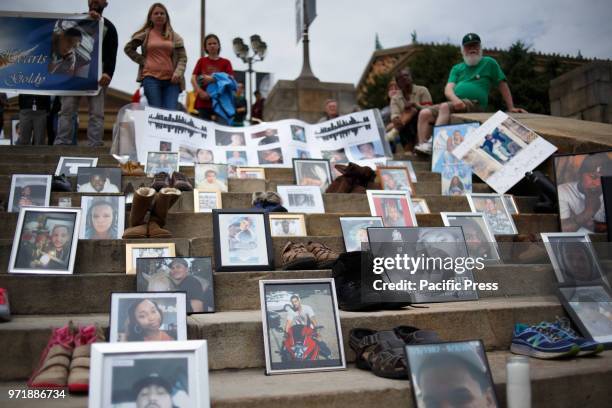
324 255
141 204
296 256
181 182
163 201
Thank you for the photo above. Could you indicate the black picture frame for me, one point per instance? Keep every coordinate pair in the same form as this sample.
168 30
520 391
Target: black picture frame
219 245
575 316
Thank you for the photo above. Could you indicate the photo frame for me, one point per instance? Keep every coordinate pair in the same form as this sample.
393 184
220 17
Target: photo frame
395 178
148 317
510 204
242 240
420 206
29 190
444 140
251 173
206 201
479 238
211 177
103 217
456 180
45 240
192 275
146 250
494 208
394 206
99 180
448 361
69 166
295 308
355 231
590 308
120 371
302 199
158 162
404 163
312 172
287 225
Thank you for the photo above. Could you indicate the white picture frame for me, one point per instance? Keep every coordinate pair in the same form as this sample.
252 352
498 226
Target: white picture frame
134 251
380 208
23 181
493 254
302 199
69 165
203 201
96 208
503 225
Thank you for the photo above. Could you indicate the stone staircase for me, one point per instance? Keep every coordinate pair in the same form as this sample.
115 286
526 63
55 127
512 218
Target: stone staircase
234 332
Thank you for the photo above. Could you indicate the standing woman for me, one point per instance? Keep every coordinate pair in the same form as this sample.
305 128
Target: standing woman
162 61
202 74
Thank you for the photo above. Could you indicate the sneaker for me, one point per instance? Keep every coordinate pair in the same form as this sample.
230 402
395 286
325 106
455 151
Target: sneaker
52 371
78 378
529 341
160 180
181 182
323 254
425 147
562 327
295 255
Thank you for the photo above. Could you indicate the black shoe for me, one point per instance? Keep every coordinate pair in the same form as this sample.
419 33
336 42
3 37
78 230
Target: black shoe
61 184
181 182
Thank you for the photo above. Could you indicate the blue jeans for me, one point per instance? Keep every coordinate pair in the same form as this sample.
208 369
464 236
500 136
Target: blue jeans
161 94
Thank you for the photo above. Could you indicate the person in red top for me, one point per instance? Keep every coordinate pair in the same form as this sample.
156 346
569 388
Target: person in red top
202 74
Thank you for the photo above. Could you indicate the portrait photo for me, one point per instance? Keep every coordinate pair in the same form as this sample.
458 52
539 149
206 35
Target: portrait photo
445 140
395 207
420 206
162 162
69 166
355 231
206 201
298 134
449 374
312 172
301 326
456 180
368 150
395 178
99 180
265 137
495 211
148 317
146 250
242 240
29 190
236 158
251 173
480 240
287 225
501 146
302 199
335 157
169 374
192 275
590 308
204 156
45 240
270 156
404 163
72 47
165 146
211 177
103 217
227 138
578 179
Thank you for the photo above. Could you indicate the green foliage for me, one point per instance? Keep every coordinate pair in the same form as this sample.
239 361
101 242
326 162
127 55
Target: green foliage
431 67
375 95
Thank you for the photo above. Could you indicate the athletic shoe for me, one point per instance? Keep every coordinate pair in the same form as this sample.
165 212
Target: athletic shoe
562 327
531 341
425 147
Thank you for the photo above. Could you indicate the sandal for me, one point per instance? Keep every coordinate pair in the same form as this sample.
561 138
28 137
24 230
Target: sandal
52 371
414 335
382 352
362 342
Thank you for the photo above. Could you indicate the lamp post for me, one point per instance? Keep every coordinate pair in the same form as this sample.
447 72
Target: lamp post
242 51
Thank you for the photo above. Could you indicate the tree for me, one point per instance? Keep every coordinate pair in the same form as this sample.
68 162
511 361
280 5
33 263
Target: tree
375 95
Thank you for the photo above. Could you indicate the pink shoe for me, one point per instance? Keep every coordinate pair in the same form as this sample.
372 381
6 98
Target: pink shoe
78 379
52 371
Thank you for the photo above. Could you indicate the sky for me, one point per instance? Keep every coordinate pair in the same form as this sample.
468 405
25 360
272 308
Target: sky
342 35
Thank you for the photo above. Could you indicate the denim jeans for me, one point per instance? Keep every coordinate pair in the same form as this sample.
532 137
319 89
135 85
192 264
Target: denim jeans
161 93
95 128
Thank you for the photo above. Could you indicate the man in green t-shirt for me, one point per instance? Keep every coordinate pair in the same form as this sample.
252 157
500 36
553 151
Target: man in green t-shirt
467 90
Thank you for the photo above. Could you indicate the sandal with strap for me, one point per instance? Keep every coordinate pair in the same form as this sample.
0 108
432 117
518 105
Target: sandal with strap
414 335
388 358
362 342
52 371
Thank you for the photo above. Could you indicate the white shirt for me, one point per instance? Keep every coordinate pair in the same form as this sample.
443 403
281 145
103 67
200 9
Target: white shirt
108 188
570 198
303 317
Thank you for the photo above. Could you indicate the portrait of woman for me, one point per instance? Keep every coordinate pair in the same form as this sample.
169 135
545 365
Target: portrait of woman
144 322
456 187
104 217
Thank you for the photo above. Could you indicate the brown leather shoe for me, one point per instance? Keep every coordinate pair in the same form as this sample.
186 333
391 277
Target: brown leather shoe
160 180
296 256
324 255
181 182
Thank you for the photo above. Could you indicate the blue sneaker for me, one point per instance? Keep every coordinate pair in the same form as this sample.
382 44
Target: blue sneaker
531 341
564 330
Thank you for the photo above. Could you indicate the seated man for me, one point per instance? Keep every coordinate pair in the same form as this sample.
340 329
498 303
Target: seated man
467 90
405 106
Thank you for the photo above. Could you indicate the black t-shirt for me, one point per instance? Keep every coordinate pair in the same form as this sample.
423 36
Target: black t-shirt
194 290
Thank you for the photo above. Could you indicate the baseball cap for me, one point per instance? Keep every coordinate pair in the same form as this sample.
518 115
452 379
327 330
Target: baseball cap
180 261
151 379
470 38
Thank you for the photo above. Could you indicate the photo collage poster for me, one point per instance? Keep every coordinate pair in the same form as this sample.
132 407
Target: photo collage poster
356 137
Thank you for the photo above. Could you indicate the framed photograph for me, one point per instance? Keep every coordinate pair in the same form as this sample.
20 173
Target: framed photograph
270 156
312 172
191 275
478 236
266 137
45 240
29 190
456 180
236 158
104 217
69 166
420 206
449 374
404 163
301 326
206 201
395 207
287 225
590 308
225 138
573 258
158 162
495 211
148 317
302 199
395 178
99 180
251 173
165 146
355 231
578 176
211 177
242 241
368 150
146 250
298 133
127 374
445 140
510 204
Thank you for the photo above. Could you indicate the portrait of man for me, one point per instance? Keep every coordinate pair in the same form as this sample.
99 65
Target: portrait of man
97 180
64 43
266 137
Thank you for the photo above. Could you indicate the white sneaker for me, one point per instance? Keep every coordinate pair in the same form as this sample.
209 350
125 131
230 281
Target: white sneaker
426 147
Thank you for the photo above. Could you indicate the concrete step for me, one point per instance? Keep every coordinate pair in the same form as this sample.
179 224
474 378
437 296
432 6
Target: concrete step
580 382
54 151
236 340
